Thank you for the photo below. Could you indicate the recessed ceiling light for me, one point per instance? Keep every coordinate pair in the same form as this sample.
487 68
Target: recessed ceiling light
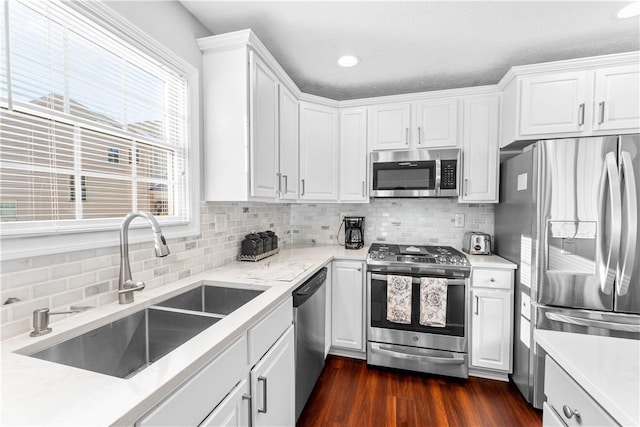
629 10
348 61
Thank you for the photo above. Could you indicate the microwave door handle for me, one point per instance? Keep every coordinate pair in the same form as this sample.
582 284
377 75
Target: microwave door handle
625 268
608 257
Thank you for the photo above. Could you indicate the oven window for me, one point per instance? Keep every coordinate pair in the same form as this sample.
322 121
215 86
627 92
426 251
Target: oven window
404 176
455 310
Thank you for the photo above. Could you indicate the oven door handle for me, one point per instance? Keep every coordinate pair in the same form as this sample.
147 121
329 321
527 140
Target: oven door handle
387 350
450 282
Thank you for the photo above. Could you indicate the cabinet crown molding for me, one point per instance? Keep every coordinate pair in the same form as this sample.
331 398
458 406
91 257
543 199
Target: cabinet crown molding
569 65
247 38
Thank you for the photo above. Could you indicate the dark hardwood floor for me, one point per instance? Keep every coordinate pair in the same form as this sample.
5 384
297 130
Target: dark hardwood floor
349 393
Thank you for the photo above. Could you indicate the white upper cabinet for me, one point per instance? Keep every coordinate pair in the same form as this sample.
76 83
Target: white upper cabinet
480 149
428 123
616 99
263 124
577 98
390 126
353 154
250 121
437 123
318 152
288 177
553 103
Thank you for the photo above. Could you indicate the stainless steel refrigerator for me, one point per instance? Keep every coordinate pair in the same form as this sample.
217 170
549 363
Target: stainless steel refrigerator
568 216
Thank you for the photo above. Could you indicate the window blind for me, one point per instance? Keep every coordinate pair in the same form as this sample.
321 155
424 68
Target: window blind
90 127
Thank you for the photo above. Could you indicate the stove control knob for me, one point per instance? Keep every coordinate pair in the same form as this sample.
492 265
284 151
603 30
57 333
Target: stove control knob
372 256
382 256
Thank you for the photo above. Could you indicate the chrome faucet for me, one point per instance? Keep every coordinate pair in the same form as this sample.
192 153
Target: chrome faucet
126 286
41 319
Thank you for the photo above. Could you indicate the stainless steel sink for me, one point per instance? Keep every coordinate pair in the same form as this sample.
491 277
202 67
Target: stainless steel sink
207 298
128 345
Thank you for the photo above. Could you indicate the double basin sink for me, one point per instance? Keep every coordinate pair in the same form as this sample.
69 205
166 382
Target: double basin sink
128 345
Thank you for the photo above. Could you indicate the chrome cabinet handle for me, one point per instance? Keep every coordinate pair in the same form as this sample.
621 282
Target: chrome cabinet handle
466 186
406 136
286 184
279 178
302 192
477 311
247 397
568 412
263 410
601 115
362 188
419 135
581 114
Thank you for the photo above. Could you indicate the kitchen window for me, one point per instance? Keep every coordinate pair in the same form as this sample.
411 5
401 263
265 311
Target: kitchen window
94 122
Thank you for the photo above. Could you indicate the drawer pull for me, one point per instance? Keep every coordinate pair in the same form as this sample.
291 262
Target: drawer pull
492 280
568 412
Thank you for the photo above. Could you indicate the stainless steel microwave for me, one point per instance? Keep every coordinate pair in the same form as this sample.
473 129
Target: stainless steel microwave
414 173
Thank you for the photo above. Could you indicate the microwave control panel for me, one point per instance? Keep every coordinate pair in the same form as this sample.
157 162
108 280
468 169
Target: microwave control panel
448 174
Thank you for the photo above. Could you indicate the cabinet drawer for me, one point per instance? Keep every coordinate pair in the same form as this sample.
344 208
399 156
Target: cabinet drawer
564 393
268 330
192 402
495 279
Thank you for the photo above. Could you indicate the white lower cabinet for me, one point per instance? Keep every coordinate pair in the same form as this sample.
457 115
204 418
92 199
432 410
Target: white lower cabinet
273 385
193 402
234 410
347 306
491 329
251 383
568 403
491 322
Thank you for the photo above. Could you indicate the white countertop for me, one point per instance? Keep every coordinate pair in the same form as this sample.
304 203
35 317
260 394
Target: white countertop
607 368
490 261
38 392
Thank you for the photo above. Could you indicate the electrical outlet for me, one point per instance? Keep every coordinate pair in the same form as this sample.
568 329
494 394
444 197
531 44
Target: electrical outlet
221 223
459 222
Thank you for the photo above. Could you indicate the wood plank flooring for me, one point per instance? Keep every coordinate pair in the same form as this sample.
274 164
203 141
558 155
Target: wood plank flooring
349 393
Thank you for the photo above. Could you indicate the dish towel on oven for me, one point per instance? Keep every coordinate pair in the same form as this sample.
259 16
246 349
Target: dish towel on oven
399 299
433 301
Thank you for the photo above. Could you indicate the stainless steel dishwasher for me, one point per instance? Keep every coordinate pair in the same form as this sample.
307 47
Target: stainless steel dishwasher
309 305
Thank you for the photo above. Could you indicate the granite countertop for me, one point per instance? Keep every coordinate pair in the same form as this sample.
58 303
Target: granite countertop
39 392
605 367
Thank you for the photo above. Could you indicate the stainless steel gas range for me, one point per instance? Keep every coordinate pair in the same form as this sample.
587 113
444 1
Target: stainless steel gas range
417 305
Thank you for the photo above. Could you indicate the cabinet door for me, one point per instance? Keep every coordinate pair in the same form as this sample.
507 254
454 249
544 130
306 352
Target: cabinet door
347 311
353 154
390 126
554 103
264 129
288 145
318 152
233 411
491 329
273 386
617 98
437 123
480 150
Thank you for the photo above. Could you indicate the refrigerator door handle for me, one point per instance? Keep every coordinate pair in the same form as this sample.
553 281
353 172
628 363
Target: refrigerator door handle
625 268
608 257
592 323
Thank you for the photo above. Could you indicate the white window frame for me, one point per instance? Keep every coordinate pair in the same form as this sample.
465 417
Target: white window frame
107 235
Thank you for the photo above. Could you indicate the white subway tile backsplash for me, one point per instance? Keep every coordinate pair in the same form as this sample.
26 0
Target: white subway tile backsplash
90 277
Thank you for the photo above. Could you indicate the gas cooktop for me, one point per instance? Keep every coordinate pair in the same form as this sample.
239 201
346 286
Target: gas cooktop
416 258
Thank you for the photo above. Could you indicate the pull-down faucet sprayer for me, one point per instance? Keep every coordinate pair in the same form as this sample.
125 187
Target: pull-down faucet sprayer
126 286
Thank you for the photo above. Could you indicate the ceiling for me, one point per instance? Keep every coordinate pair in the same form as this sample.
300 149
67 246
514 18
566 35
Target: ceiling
415 46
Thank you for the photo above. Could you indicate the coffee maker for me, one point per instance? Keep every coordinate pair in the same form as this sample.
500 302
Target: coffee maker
353 232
